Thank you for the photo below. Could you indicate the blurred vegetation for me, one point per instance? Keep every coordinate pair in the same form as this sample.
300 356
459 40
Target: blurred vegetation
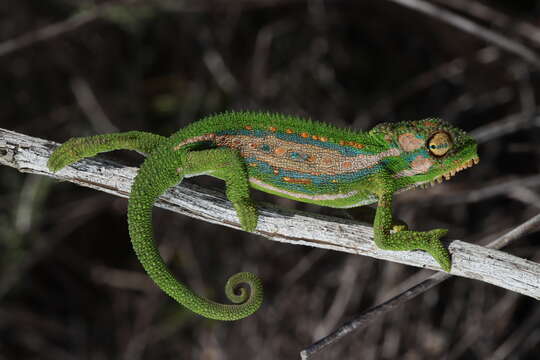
70 285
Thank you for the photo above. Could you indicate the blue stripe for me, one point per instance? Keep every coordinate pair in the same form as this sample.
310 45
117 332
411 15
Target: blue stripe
321 180
295 138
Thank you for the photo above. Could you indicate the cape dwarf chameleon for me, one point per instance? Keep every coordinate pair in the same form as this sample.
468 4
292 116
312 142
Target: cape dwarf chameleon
283 155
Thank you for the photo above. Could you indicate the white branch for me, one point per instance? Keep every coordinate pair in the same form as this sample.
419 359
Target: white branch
29 154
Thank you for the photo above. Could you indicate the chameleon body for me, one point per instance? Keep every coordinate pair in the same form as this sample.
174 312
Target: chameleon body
291 157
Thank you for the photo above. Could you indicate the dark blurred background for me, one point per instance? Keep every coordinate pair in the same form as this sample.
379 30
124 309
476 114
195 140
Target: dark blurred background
70 285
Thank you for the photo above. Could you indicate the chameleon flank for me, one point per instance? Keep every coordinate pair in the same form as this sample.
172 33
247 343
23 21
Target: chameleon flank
290 157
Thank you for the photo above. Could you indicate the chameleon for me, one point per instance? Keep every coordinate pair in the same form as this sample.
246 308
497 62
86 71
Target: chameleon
288 156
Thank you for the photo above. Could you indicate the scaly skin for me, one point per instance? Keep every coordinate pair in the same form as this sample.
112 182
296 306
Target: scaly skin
287 156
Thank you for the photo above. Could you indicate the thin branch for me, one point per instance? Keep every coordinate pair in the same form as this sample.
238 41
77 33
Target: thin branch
452 70
505 126
370 315
374 313
89 104
504 186
51 31
473 28
29 154
491 15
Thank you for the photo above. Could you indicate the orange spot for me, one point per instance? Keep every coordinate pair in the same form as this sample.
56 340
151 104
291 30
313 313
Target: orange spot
315 137
280 151
347 164
351 143
296 181
253 164
272 128
304 134
359 146
276 171
253 145
327 161
248 127
323 138
311 158
341 142
289 131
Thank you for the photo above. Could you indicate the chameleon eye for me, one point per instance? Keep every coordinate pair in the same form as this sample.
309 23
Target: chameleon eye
439 144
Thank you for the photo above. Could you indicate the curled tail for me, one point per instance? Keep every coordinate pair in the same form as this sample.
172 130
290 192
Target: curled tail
157 174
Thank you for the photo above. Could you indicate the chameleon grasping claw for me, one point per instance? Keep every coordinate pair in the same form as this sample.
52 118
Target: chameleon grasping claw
283 155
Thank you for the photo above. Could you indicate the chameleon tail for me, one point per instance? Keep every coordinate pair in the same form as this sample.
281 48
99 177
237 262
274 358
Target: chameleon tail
157 174
79 148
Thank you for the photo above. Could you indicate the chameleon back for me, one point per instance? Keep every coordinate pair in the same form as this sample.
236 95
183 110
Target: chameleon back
299 159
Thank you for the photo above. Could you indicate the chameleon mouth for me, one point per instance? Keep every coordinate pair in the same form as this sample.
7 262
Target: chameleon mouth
439 179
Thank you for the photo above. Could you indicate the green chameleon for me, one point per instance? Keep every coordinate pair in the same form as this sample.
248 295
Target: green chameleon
283 155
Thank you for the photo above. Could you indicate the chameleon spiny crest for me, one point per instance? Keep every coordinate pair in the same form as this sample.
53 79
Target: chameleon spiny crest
287 156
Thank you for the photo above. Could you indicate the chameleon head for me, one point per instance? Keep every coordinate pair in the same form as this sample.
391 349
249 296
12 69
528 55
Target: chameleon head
431 151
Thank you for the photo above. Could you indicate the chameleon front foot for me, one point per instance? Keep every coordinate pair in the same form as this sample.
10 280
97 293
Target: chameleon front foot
402 239
429 241
436 248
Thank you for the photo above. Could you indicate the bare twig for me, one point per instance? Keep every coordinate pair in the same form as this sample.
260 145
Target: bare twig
505 126
375 312
470 27
495 188
453 71
486 13
519 336
342 297
28 154
477 328
53 30
525 195
47 32
91 107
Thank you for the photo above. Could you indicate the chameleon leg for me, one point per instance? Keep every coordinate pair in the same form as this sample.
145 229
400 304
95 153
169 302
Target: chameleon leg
407 240
161 170
76 149
367 214
226 164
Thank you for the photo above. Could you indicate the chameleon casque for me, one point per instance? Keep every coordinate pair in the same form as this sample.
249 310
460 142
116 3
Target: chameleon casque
287 156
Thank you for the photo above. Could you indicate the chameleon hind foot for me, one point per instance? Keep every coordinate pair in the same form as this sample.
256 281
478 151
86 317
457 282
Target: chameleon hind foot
68 153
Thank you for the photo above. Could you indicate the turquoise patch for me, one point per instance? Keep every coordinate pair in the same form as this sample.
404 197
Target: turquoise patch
265 147
318 180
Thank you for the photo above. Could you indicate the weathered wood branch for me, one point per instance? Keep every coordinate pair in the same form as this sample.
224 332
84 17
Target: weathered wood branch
29 154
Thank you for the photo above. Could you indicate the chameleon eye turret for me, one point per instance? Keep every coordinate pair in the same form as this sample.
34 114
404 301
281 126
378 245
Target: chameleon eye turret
290 157
439 144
